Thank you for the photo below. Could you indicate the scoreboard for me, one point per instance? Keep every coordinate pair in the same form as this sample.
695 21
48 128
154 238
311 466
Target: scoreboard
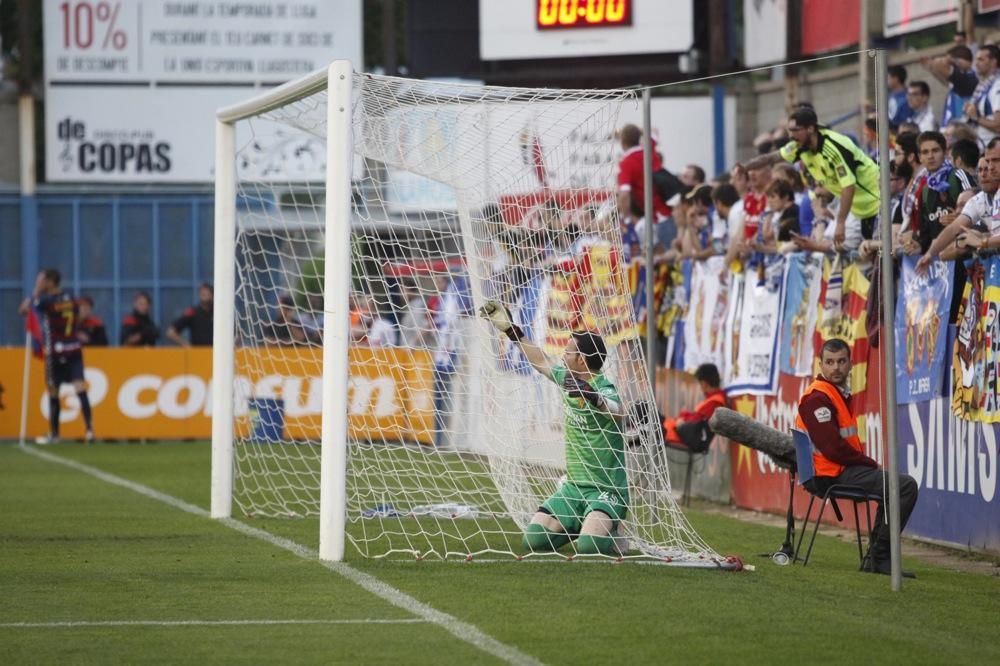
528 29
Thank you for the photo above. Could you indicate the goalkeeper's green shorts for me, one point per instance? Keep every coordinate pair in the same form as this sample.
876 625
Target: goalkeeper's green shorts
571 503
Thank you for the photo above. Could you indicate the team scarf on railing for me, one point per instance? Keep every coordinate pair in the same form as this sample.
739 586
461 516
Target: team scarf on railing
841 313
635 280
669 301
911 196
669 296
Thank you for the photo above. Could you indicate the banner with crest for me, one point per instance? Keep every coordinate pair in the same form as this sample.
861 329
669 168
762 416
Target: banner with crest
921 325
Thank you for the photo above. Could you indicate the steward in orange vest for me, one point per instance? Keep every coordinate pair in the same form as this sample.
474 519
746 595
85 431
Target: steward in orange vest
832 427
838 454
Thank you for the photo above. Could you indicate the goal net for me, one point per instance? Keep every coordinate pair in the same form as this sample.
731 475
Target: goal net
459 194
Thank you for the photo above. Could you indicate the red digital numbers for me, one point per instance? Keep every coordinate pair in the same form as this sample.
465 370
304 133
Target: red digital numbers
555 14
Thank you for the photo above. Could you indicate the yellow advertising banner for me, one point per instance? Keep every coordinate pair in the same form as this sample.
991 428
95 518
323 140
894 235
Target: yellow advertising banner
153 393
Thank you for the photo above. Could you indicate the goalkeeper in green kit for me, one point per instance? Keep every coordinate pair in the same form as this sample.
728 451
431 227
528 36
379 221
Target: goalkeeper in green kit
592 501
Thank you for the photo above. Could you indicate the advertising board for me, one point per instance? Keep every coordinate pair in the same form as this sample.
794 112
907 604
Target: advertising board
132 87
153 393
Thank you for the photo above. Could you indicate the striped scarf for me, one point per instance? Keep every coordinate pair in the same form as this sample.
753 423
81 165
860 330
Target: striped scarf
938 181
982 89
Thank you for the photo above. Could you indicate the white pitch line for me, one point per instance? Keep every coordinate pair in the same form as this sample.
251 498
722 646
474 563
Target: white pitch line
195 623
464 631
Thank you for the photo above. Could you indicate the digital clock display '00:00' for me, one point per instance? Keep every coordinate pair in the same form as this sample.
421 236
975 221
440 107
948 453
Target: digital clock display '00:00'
558 14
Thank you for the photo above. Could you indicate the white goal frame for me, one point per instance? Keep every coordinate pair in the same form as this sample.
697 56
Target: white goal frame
335 110
337 81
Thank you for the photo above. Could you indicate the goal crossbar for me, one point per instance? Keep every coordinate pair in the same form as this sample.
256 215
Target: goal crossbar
309 84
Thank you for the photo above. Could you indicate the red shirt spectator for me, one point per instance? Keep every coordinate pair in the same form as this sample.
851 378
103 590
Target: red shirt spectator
631 178
754 205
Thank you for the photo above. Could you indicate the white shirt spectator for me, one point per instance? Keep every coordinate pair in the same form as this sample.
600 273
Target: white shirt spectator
720 230
925 119
734 221
416 328
983 210
381 333
449 340
987 104
852 228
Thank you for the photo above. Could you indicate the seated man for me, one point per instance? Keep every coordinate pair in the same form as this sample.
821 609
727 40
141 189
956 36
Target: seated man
838 454
690 429
589 505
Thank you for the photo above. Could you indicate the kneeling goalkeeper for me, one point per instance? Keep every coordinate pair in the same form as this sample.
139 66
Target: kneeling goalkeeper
594 498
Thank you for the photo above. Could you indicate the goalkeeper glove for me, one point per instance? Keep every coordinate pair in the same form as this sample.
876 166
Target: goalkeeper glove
498 315
577 388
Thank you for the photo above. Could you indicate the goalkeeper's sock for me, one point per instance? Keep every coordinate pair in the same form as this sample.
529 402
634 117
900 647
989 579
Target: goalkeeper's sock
85 408
54 406
591 544
537 539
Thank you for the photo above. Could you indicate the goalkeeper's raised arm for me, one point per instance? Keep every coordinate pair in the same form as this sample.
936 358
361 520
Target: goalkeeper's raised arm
578 373
498 315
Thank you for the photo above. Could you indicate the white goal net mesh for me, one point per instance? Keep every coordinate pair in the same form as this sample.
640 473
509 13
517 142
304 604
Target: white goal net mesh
461 193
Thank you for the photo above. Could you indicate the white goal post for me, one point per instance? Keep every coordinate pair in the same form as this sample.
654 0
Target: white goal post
361 221
337 80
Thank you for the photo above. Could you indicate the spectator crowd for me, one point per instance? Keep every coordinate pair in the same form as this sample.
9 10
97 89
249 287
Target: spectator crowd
811 188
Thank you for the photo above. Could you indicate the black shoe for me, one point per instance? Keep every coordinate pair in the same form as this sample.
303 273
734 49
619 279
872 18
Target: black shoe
883 567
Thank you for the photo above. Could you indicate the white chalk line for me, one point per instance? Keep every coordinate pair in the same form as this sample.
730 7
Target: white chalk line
196 623
464 631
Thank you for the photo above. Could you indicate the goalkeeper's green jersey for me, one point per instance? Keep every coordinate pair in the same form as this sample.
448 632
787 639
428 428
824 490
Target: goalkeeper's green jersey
595 447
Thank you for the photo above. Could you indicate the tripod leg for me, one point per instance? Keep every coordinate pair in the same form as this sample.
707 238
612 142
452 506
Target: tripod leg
786 547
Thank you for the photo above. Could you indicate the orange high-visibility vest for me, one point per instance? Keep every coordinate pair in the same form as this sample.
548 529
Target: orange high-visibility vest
845 420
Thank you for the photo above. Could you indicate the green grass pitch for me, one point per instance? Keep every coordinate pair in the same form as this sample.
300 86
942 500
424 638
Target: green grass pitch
91 572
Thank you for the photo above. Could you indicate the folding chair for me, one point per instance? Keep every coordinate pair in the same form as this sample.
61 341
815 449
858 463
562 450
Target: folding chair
853 494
